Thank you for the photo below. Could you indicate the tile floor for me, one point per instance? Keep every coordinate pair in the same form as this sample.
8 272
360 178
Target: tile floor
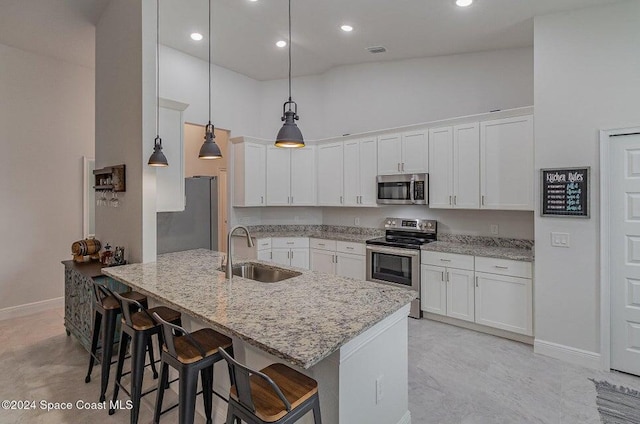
455 376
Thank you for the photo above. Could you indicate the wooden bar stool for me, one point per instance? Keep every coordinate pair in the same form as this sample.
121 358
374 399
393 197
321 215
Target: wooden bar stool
105 313
138 326
189 353
276 394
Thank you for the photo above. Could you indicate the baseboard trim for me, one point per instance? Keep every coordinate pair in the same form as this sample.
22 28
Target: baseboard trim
570 354
406 418
31 308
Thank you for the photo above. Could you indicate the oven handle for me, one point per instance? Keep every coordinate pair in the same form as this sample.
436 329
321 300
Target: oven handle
394 251
412 186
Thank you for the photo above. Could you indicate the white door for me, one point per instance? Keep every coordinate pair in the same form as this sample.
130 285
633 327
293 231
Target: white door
466 166
415 152
300 258
433 289
506 163
389 154
625 253
349 265
368 171
303 176
278 176
504 302
460 294
281 256
441 168
352 173
322 261
330 157
255 174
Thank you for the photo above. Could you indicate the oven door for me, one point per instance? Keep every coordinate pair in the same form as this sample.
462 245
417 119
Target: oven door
400 267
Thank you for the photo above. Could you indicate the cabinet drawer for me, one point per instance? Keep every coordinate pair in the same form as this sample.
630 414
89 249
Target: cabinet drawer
263 244
322 244
351 247
504 267
289 242
450 260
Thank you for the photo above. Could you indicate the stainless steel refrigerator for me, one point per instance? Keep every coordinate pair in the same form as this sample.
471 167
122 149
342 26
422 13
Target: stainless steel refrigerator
196 226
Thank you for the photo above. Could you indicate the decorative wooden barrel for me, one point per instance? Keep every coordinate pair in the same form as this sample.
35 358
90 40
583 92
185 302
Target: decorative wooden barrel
82 248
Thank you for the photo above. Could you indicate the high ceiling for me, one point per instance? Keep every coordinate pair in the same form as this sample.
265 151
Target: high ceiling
244 32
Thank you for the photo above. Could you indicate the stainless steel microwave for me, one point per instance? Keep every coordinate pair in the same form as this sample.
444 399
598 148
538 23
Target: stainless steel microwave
406 189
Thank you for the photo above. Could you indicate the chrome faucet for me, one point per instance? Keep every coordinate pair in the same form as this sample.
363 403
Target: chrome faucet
229 266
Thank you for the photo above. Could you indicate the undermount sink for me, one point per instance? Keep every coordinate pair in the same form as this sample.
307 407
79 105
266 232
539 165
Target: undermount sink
263 273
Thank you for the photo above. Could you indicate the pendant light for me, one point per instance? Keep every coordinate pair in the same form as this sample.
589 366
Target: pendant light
157 157
289 135
209 149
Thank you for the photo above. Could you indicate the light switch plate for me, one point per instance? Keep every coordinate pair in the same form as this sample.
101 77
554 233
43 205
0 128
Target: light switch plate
560 239
494 229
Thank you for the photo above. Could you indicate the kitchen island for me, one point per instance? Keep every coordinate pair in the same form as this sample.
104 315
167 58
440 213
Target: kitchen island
350 335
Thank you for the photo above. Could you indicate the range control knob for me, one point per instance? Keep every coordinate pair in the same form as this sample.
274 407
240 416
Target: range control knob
393 222
389 222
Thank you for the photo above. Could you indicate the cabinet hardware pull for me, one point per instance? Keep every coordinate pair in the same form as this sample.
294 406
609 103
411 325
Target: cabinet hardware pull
482 200
291 242
340 199
455 200
450 200
447 276
261 199
442 278
398 166
336 258
349 247
270 255
445 260
476 281
288 252
501 267
292 254
320 244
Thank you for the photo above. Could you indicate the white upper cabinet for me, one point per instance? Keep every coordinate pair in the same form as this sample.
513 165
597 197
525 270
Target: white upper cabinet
290 176
466 166
506 163
170 196
441 168
406 153
249 174
330 174
360 170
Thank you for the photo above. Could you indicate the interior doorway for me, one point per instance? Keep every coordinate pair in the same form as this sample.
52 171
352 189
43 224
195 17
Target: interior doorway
620 249
193 139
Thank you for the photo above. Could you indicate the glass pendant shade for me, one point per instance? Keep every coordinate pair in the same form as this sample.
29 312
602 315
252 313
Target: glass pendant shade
157 157
209 149
289 135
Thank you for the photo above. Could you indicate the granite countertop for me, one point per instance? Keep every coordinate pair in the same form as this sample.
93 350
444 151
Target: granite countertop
325 235
513 253
301 320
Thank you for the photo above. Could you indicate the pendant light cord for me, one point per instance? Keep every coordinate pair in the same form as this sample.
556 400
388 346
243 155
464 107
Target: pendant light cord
289 54
158 67
209 61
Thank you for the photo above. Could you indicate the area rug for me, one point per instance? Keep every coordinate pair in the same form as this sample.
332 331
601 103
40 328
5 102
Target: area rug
617 404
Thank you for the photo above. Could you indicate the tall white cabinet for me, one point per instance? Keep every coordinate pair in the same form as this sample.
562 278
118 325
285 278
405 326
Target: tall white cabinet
506 164
330 174
249 171
291 177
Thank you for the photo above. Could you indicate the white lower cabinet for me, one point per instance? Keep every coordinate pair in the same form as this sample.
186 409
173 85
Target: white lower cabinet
322 261
264 255
350 265
290 251
346 259
446 290
493 292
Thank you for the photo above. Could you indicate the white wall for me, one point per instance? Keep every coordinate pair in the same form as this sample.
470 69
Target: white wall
46 126
125 123
587 77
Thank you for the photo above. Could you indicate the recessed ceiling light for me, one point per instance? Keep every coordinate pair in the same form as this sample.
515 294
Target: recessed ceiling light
346 28
196 36
281 44
464 3
253 1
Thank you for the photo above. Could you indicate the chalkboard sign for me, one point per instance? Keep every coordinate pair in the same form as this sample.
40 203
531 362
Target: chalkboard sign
565 192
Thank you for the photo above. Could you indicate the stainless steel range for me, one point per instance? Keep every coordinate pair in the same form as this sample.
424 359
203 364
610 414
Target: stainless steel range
395 258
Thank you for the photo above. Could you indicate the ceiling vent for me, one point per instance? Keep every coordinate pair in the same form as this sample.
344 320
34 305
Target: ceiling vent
376 49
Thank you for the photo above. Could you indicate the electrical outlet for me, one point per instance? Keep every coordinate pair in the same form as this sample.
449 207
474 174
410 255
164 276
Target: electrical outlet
356 221
379 392
494 229
560 240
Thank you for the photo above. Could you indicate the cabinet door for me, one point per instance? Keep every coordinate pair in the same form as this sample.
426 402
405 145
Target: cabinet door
504 302
433 289
264 255
255 158
281 256
389 154
322 261
466 166
441 168
330 157
278 176
300 258
415 152
368 171
352 173
506 163
303 176
460 294
350 266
